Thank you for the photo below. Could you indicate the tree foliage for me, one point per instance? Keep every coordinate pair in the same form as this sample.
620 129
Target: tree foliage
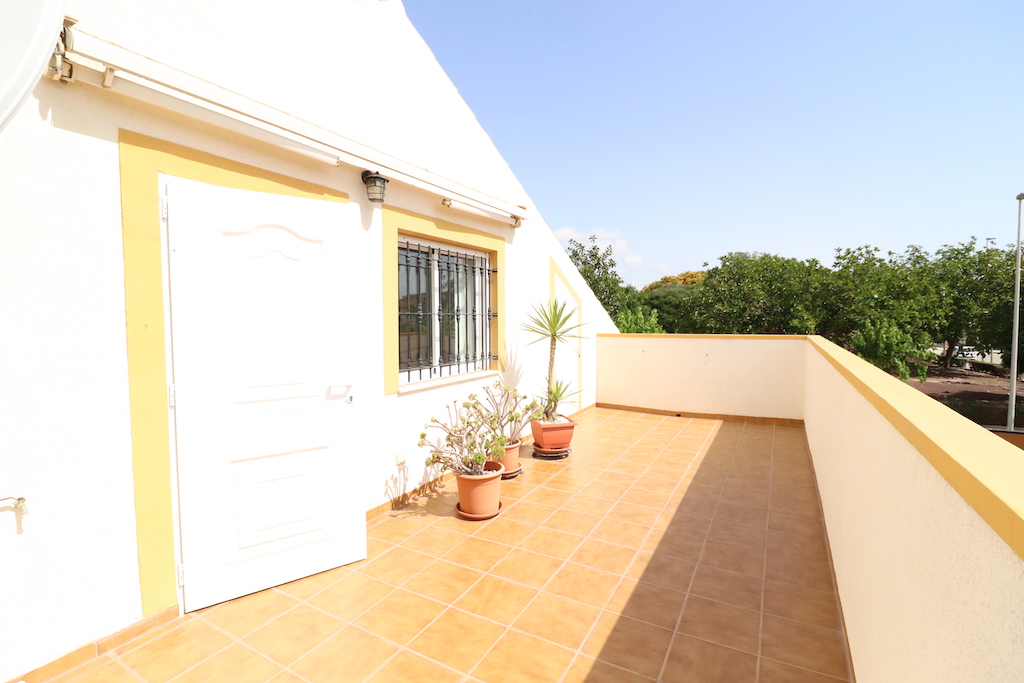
597 266
890 308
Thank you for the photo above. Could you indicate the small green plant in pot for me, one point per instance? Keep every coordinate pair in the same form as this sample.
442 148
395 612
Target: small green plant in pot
470 447
551 322
511 414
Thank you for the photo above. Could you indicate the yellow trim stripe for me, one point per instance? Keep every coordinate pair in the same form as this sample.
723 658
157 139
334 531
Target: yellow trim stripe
142 160
400 222
987 471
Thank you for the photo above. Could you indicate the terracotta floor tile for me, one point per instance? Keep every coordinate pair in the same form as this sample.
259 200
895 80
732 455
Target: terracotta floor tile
408 667
546 496
646 602
601 490
531 513
662 570
153 634
351 596
797 545
725 586
721 623
633 468
443 581
697 507
397 565
514 490
651 499
803 645
562 483
742 514
693 660
167 656
506 531
104 670
658 485
573 522
562 621
311 585
801 604
734 558
519 658
590 505
605 556
245 614
616 478
682 523
400 616
457 639
777 672
585 584
554 543
790 569
394 529
795 506
670 474
634 645
590 670
477 553
805 526
524 566
679 546
722 531
374 549
634 514
237 664
350 655
620 533
293 634
495 598
455 523
433 541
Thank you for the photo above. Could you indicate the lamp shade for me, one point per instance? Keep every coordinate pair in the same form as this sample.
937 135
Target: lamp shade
375 184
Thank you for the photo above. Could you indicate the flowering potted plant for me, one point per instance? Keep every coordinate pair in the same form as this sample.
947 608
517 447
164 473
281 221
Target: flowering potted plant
552 433
470 447
511 414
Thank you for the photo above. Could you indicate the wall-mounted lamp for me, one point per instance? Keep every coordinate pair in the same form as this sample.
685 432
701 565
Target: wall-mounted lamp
375 184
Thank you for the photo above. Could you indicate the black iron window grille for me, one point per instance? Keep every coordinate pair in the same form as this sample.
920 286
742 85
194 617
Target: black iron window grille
444 311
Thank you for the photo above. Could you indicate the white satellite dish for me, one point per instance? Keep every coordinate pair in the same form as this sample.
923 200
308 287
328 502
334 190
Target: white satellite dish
28 33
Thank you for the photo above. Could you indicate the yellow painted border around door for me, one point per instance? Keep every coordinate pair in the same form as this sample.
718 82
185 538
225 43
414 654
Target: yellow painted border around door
142 159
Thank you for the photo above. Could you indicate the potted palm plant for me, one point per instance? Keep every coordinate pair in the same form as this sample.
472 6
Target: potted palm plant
470 447
552 433
511 414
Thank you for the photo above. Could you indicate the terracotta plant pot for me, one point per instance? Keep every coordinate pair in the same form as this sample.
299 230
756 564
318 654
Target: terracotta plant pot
552 436
479 494
511 461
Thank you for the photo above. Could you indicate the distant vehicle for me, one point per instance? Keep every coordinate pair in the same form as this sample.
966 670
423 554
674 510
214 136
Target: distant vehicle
966 352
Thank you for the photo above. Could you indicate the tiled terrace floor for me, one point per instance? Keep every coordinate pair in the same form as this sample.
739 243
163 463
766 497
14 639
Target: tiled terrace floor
664 548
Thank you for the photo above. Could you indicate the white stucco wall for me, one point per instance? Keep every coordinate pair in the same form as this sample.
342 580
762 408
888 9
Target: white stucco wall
723 375
929 591
70 573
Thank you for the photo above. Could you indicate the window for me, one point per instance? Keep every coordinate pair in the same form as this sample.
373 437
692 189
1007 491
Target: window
444 311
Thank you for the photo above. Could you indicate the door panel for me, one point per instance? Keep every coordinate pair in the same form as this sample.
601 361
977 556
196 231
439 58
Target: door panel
266 485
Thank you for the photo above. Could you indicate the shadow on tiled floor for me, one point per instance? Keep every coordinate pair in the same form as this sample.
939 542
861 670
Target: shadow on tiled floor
664 548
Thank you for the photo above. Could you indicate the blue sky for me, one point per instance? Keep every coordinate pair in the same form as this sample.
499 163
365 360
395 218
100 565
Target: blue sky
681 131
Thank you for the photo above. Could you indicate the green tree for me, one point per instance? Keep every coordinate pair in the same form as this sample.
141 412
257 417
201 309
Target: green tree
675 307
757 294
597 266
639 320
888 347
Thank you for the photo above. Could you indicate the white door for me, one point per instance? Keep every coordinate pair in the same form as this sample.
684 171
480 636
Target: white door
267 487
